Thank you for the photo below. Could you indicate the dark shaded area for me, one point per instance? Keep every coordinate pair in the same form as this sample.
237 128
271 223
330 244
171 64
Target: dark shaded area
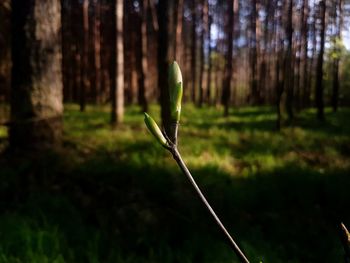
134 210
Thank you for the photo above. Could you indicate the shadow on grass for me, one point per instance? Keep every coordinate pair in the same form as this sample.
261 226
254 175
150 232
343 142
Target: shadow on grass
334 124
121 211
238 125
264 119
256 125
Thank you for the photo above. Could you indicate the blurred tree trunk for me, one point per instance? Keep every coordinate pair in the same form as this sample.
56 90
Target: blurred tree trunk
152 7
36 99
254 53
106 35
85 60
204 24
226 85
298 57
76 13
280 64
319 67
193 50
117 89
279 84
218 82
5 51
304 44
178 17
311 75
165 57
67 51
143 78
288 75
210 62
254 96
97 50
339 24
264 56
130 20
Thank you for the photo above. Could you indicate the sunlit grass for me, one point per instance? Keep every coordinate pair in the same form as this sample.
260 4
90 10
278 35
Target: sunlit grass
244 143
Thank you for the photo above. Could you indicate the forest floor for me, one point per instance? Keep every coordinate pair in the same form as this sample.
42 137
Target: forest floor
115 195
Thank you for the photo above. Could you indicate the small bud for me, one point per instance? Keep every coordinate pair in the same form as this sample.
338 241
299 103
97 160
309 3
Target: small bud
175 91
154 129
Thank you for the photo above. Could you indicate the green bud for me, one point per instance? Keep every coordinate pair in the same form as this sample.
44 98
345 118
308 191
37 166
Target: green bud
154 129
175 91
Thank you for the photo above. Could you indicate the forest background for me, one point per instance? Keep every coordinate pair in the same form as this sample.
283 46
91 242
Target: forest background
264 129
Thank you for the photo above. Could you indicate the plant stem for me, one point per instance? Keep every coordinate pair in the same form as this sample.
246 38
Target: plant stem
345 238
185 170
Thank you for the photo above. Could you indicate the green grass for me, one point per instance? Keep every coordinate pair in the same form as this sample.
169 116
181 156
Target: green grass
115 195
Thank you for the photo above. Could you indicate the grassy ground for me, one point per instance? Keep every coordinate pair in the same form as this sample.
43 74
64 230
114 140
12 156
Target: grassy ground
114 195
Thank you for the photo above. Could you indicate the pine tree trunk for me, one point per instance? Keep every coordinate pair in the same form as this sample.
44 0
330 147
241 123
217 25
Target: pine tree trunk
179 8
97 51
254 96
117 89
143 83
204 18
279 66
210 62
319 67
76 71
264 57
226 86
304 32
85 85
335 87
288 74
312 71
194 51
36 101
297 87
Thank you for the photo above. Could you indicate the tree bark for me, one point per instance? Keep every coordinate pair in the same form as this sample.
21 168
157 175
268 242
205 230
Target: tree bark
304 33
254 95
85 85
210 62
194 51
76 71
288 74
319 67
179 8
36 99
69 39
204 23
339 25
280 64
97 51
264 56
117 90
312 71
143 83
226 86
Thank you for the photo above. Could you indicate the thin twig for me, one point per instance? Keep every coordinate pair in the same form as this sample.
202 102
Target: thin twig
345 238
168 139
173 149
